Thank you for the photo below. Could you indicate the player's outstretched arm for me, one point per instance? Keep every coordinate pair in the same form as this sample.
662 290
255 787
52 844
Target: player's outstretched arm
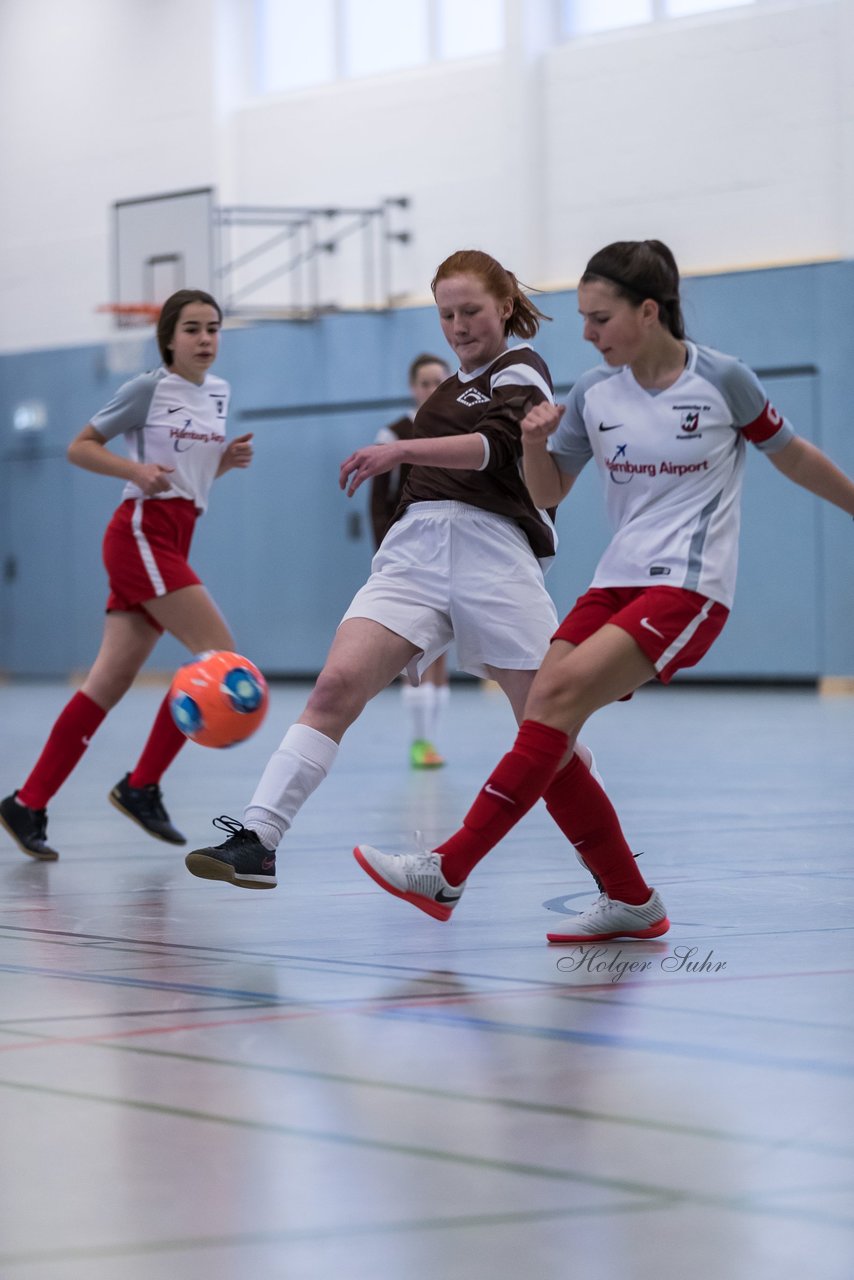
460 453
807 466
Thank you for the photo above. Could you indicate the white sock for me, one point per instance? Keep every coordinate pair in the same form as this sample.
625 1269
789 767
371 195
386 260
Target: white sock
440 702
293 772
589 760
420 702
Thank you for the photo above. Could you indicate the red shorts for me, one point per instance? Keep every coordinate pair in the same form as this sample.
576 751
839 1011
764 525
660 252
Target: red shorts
145 552
673 627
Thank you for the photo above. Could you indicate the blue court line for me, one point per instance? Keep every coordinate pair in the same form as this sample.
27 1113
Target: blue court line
191 988
667 1048
597 1039
586 994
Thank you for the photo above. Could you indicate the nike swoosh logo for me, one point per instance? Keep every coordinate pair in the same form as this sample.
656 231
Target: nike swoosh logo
501 796
441 896
615 427
86 741
177 409
268 864
647 625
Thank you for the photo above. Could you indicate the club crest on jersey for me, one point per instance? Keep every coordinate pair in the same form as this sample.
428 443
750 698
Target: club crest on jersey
689 422
472 396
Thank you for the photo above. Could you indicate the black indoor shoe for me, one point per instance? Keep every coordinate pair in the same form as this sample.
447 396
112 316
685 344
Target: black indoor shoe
241 860
145 806
28 828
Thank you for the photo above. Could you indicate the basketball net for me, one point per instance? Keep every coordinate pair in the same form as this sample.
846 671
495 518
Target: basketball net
125 349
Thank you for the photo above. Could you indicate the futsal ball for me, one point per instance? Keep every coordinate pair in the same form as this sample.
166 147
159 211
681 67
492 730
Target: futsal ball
218 699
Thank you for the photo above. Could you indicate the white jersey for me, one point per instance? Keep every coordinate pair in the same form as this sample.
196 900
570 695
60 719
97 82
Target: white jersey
168 420
672 465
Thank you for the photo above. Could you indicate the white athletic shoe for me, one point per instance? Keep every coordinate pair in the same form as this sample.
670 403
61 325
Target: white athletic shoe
607 918
415 877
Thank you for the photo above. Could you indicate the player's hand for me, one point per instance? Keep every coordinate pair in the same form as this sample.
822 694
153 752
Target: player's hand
152 479
238 452
373 460
540 422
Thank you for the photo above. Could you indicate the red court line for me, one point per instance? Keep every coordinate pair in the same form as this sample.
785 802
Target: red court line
404 1002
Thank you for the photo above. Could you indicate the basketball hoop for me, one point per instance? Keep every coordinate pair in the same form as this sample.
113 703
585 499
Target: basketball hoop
125 349
132 315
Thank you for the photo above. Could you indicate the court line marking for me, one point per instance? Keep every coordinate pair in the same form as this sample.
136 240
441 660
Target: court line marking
380 1006
639 1044
323 1234
668 1196
512 1104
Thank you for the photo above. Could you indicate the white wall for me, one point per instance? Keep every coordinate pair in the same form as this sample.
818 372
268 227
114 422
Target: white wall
731 135
100 100
728 134
730 139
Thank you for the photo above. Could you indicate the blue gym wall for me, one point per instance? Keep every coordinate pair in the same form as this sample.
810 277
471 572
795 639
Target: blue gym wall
283 550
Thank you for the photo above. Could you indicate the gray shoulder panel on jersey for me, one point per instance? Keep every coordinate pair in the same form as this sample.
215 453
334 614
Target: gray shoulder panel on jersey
570 444
739 386
129 407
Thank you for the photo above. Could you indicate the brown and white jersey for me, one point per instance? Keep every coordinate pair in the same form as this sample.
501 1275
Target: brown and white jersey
490 402
386 488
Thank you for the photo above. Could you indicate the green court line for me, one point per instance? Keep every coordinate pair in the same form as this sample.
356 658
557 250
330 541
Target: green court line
298 1236
667 1196
449 1095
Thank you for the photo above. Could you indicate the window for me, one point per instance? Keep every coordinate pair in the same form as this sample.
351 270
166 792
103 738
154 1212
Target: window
306 42
382 35
581 17
679 8
295 44
467 28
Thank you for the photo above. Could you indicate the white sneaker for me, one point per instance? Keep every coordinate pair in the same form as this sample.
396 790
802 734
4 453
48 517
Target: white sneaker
608 918
415 877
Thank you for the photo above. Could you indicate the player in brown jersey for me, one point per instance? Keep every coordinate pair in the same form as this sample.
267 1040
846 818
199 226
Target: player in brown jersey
423 702
461 561
661 592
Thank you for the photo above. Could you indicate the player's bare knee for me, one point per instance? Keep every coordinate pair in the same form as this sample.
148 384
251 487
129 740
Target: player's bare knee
337 697
108 691
552 697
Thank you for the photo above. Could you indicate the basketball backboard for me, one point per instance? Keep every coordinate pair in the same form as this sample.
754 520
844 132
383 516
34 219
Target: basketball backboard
162 243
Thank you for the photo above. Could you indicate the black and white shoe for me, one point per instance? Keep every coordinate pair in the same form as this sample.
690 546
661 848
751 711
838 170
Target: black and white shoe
241 860
28 828
144 805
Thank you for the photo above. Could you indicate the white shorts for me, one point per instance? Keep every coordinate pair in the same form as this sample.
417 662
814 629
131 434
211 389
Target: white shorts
449 572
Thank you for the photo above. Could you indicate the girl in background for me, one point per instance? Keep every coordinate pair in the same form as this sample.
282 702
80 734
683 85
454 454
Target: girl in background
423 702
174 421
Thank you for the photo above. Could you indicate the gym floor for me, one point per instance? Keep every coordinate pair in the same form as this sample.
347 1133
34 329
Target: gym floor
209 1083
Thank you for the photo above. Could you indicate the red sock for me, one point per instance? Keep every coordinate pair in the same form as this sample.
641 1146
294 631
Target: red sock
164 743
68 739
586 816
511 790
